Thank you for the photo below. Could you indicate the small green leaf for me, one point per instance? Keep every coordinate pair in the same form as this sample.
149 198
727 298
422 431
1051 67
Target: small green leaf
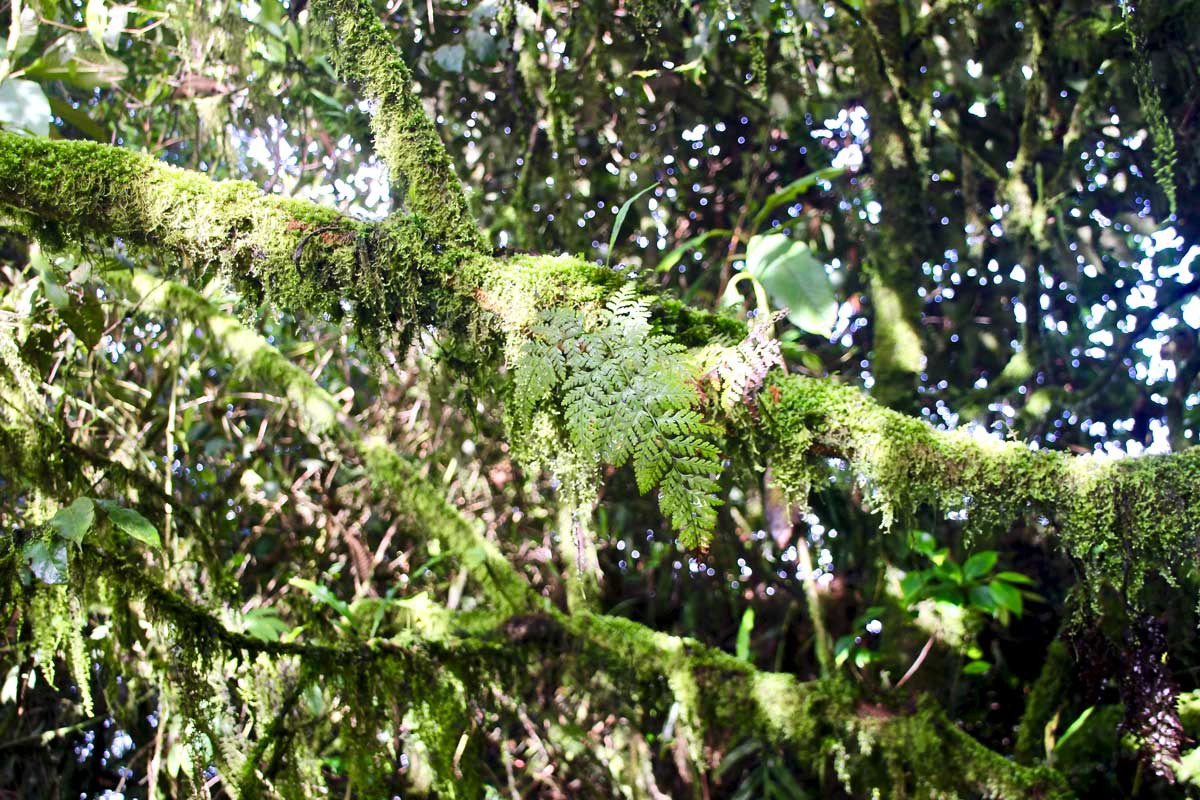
131 522
47 560
1007 597
1075 726
843 648
622 212
744 632
1015 577
791 192
672 258
976 668
264 624
321 594
863 656
980 564
74 521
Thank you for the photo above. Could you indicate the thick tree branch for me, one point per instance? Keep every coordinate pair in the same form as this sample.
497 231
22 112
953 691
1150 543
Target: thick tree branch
404 136
297 254
1125 520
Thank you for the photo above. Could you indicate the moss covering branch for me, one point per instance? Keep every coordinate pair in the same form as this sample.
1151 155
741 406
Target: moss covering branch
404 136
297 254
719 695
1122 520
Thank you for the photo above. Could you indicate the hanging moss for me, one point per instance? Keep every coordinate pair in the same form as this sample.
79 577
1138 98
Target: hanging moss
1124 520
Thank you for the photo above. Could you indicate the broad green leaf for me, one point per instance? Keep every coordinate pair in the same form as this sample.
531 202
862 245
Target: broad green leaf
744 632
86 68
980 564
23 106
131 522
78 119
328 100
74 521
47 560
1007 597
450 57
983 599
622 212
794 279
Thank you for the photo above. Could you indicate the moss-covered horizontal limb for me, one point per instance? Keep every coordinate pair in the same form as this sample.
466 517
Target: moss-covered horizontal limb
405 138
297 254
1123 519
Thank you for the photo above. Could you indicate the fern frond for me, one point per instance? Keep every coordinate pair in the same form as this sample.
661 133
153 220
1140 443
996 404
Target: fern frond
625 394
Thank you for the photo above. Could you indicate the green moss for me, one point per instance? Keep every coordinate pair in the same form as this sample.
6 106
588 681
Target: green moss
1123 520
296 255
514 290
407 490
404 136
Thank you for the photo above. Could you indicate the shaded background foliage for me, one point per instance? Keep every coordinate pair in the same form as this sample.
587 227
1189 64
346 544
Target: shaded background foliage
1007 148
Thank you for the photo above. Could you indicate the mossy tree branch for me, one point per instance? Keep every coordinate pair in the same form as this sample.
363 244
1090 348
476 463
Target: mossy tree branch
404 136
1121 520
